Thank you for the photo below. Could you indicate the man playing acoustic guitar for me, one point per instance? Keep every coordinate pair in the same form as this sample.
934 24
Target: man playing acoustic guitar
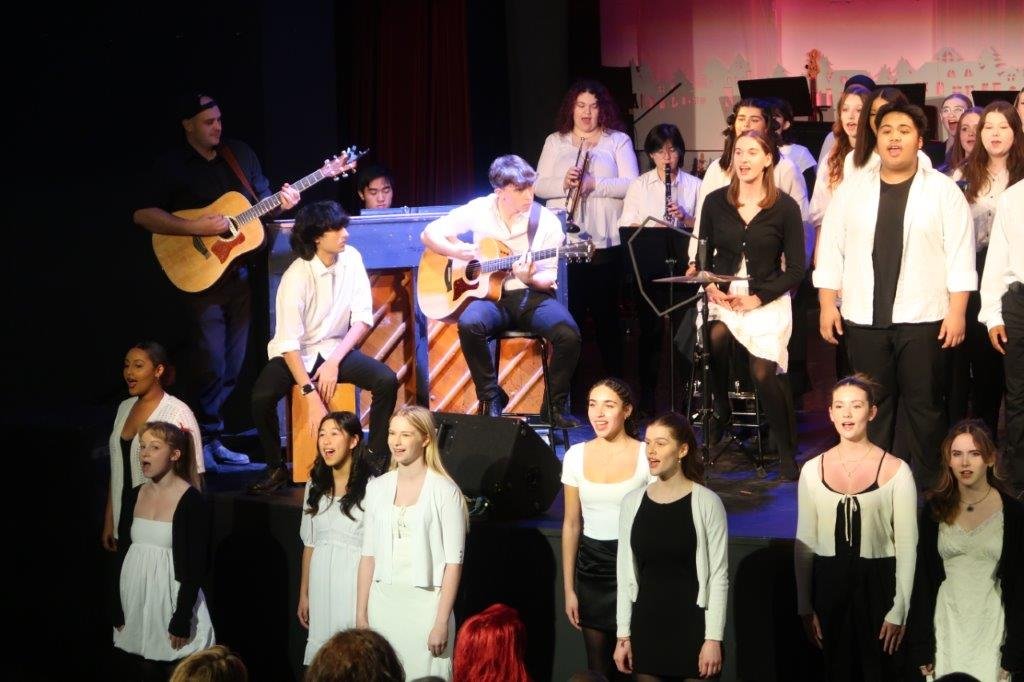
190 176
527 299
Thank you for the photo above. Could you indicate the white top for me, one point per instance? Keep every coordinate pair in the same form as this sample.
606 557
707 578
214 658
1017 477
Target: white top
601 502
438 537
646 197
1005 261
330 526
613 165
712 529
171 410
888 528
826 147
481 217
787 178
983 210
316 305
800 155
938 248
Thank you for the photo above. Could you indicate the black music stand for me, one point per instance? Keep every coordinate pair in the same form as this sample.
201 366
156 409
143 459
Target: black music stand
657 249
915 92
982 98
793 89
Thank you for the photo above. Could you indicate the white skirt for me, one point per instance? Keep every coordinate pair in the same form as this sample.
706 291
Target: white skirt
332 592
149 595
763 331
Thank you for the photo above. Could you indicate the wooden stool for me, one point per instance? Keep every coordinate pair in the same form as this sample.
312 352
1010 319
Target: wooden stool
546 416
302 447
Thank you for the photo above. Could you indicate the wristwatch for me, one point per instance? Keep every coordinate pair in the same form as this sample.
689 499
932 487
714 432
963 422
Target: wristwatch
307 389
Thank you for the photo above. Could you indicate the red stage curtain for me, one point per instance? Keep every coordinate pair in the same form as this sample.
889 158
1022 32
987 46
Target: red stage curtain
404 90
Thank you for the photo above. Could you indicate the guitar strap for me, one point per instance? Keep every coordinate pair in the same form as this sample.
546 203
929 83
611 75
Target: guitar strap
531 226
229 157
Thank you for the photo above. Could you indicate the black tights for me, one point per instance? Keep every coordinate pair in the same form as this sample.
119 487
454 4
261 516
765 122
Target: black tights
600 647
777 405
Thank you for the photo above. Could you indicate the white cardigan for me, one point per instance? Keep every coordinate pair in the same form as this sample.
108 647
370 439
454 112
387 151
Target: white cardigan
440 539
170 409
712 528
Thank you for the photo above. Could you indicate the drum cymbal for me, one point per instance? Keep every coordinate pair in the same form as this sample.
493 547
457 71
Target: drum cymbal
702 277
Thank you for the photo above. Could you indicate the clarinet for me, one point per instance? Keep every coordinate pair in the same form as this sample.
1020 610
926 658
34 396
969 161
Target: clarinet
668 194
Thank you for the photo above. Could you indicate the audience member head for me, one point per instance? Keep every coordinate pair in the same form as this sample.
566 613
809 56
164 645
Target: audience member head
999 136
664 144
672 448
375 186
866 126
848 109
953 107
165 447
754 157
748 114
610 408
490 647
339 446
356 655
968 456
213 664
146 369
586 108
852 405
966 137
320 225
901 134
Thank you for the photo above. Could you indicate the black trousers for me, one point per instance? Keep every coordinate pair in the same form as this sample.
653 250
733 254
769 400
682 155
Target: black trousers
594 289
222 316
976 369
799 379
527 310
1013 318
909 363
275 381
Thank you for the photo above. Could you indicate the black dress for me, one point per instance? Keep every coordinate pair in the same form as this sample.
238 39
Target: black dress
667 626
126 468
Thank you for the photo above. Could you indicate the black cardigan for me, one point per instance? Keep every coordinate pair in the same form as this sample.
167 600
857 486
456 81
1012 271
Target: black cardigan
190 544
930 574
775 230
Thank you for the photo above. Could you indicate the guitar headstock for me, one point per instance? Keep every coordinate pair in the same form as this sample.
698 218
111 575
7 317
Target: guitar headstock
812 63
578 252
341 164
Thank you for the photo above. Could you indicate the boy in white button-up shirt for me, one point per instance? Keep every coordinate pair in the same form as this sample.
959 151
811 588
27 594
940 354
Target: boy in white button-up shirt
324 310
899 244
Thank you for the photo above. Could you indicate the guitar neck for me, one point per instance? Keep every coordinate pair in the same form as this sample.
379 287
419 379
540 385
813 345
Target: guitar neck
506 263
267 205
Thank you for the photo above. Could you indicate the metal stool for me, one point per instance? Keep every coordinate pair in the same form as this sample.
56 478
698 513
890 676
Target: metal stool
547 413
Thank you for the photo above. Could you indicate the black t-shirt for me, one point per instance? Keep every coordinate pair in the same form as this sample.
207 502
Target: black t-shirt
183 179
888 248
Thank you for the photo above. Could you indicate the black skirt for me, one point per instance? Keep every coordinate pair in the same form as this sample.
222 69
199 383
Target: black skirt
595 583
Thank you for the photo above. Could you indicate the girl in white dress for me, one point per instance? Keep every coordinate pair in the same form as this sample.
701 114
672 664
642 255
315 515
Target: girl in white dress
596 475
332 530
413 544
967 605
159 611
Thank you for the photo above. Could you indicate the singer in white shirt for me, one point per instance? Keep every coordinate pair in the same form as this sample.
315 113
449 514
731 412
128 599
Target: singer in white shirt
899 244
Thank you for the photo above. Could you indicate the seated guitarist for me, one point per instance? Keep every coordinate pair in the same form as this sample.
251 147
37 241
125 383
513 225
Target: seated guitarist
527 301
192 175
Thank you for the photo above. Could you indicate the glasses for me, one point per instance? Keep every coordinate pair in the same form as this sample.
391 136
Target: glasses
953 110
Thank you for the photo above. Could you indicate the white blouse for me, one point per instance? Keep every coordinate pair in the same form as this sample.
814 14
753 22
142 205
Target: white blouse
171 410
983 210
646 197
613 165
439 537
888 517
601 502
1005 262
800 156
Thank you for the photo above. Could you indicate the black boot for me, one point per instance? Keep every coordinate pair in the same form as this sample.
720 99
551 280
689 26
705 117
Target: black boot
495 406
562 418
276 478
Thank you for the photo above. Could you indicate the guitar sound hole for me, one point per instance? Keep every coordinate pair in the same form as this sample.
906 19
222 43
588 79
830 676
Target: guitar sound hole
473 269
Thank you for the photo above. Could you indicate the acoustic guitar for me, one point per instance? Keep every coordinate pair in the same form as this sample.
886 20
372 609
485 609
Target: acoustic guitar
445 286
195 263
